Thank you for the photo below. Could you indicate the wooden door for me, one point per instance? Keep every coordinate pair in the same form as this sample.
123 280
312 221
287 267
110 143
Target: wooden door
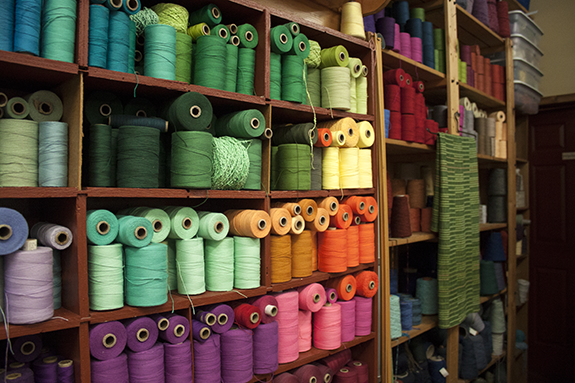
552 259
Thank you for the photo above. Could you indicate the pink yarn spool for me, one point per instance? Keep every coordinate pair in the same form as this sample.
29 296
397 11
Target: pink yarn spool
288 323
327 327
405 41
416 50
268 305
331 295
312 297
347 320
304 330
397 41
362 316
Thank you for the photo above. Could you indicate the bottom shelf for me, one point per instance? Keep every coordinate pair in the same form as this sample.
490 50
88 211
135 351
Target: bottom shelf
427 323
494 359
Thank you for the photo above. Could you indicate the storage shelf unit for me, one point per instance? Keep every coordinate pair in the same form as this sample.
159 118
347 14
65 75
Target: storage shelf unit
428 322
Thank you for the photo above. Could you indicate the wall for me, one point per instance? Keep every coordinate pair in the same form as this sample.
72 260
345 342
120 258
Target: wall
555 18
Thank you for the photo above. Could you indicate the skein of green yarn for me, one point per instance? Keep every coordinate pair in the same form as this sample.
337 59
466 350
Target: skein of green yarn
134 231
183 57
294 167
313 60
275 76
300 46
99 105
293 28
292 78
314 86
281 39
144 18
248 123
190 111
222 31
210 62
141 107
246 263
173 15
231 67
138 152
231 164
190 266
146 281
213 226
105 277
159 219
274 167
334 56
100 155
191 160
210 14
184 222
101 227
219 264
295 134
248 36
254 180
246 71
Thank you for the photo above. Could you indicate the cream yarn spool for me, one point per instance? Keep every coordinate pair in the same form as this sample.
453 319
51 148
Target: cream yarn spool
352 20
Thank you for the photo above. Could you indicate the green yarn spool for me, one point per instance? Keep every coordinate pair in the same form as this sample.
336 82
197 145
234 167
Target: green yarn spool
172 273
294 167
254 180
144 18
173 15
183 57
17 108
100 155
58 30
210 62
213 226
18 153
163 165
439 39
361 94
292 78
248 123
488 278
198 30
274 167
335 88
190 266
210 14
281 39
194 48
105 277
246 71
219 264
248 36
101 227
417 13
44 105
300 46
99 105
222 32
134 231
275 76
293 28
184 222
191 164
132 51
141 107
146 277
304 86
159 219
190 111
114 156
231 67
231 164
354 66
160 47
314 86
138 152
334 56
314 58
246 263
352 95
295 134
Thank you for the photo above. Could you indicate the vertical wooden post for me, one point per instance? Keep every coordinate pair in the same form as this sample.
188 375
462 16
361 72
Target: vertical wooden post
452 66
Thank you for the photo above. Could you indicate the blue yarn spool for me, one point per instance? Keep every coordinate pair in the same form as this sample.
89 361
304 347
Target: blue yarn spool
118 42
406 315
160 48
27 24
386 117
401 13
7 25
494 248
52 154
98 39
427 31
434 365
13 230
58 30
393 281
468 364
499 275
429 56
132 48
481 360
113 5
487 340
415 311
369 23
414 27
131 7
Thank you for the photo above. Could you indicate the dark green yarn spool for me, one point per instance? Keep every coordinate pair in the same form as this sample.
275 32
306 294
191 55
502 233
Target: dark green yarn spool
138 157
231 67
300 46
114 155
164 140
246 71
293 28
281 39
294 167
100 155
222 32
190 111
274 167
488 278
99 105
248 36
210 14
275 76
295 134
141 107
191 160
210 62
254 180
245 124
292 78
194 48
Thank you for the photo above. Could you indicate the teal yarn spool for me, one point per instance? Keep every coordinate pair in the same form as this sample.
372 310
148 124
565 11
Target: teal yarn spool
159 219
210 14
53 154
281 39
99 156
141 107
17 108
172 274
134 231
44 105
114 156
246 71
190 266
57 278
427 291
335 88
232 52
101 227
294 167
488 278
184 222
395 316
254 180
292 78
300 46
248 36
313 80
146 276
213 226
295 134
222 32
18 153
183 57
275 76
98 38
144 18
113 5
138 152
210 62
274 167
118 43
131 7
132 51
58 33
99 105
248 123
190 111
230 165
105 277
160 47
314 58
191 160
246 263
293 28
219 264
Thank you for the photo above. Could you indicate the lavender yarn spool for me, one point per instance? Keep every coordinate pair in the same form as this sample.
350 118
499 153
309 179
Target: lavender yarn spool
266 340
178 329
111 370
286 377
178 362
200 331
107 340
66 371
379 15
206 317
207 362
308 373
24 375
147 366
28 286
369 23
46 370
17 366
386 26
142 333
161 321
331 295
397 41
237 355
27 348
268 305
52 235
225 318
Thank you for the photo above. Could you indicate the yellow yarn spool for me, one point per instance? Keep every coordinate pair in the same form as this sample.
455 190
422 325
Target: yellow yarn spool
172 14
365 176
346 125
330 168
338 140
366 134
361 91
349 168
354 66
352 20
198 30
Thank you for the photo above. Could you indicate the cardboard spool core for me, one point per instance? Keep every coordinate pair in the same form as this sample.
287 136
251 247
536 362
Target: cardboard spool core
322 220
16 365
205 30
102 227
141 40
3 100
50 359
340 138
163 324
249 36
283 221
357 220
344 370
132 4
357 68
255 123
348 288
333 206
342 56
45 108
345 216
205 333
210 319
219 227
187 223
361 205
271 310
5 232
371 285
28 348
302 46
332 296
316 298
223 33
18 108
138 56
368 133
158 225
295 28
400 77
140 232
235 40
105 110
222 319
65 363
326 137
262 224
179 330
268 133
215 12
364 71
327 378
312 134
142 335
371 208
233 28
298 225
141 113
350 132
195 111
313 379
109 340
116 3
309 210
254 317
13 376
283 38
297 209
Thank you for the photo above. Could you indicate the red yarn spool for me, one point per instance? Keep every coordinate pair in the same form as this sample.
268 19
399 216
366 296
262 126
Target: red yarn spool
431 127
474 61
392 98
395 125
408 127
337 361
400 220
408 100
415 219
499 91
345 375
480 64
503 18
426 215
248 316
493 17
408 80
495 74
420 130
480 82
395 77
324 138
332 251
488 76
420 109
389 197
419 86
362 370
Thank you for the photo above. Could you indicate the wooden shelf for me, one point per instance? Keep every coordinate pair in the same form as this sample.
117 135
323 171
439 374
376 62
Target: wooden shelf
39 192
62 319
418 71
135 193
427 323
227 194
491 226
316 277
399 147
339 193
483 100
521 160
294 112
179 302
522 257
487 298
415 237
490 161
523 208
19 69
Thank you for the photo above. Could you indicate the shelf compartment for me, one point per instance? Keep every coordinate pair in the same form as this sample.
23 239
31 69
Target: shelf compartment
227 194
482 99
487 298
213 297
43 73
418 71
38 192
492 226
415 237
399 151
521 160
316 277
427 323
62 319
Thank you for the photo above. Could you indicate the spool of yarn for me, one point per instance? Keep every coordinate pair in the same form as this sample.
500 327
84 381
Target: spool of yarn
415 219
345 125
103 371
400 219
134 231
98 37
366 243
371 210
321 221
213 226
327 327
292 85
107 340
349 168
268 307
488 278
184 222
286 377
366 134
18 152
118 59
332 255
312 297
265 348
330 204
219 264
247 316
159 219
190 266
337 361
331 294
140 362
305 330
330 168
146 278
297 225
496 209
345 287
53 154
26 348
353 245
335 92
196 147
301 257
225 318
343 218
246 262
207 362
246 67
309 209
232 52
190 111
352 20
142 333
178 329
294 167
288 323
173 15
427 292
248 36
292 207
134 144
295 134
13 230
316 169
106 277
178 362
347 320
249 223
281 221
367 284
52 235
280 249
44 105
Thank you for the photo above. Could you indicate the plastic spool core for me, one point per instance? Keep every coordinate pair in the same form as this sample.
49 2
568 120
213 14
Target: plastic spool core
345 216
195 111
140 232
13 376
5 232
322 220
283 38
361 205
50 359
249 36
309 210
297 209
215 12
254 318
268 133
187 223
400 77
332 296
109 340
141 113
313 379
223 33
116 3
262 224
255 123
138 56
158 225
142 335
16 365
421 87
371 285
326 137
3 100
103 228
222 319
62 238
348 288
205 333
341 138
235 40
295 28
65 363
327 378
210 319
233 28
371 208
271 310
283 221
163 324
368 133
333 206
298 225
105 110
45 108
18 108
302 46
316 298
357 364
132 4
341 56
205 30
312 134
357 68
179 330
364 70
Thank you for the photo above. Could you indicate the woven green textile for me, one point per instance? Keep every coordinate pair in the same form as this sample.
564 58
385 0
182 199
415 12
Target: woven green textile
456 219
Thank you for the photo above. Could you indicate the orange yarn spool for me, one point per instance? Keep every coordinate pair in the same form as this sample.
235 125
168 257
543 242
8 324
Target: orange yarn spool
416 192
343 218
356 220
301 262
353 246
398 187
330 204
280 249
367 243
324 138
293 208
367 283
356 203
345 287
371 210
332 251
308 209
249 223
426 215
314 251
297 225
415 219
321 221
281 221
400 223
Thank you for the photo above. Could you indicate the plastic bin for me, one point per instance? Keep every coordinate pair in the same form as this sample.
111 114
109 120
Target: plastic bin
527 73
521 24
524 49
527 98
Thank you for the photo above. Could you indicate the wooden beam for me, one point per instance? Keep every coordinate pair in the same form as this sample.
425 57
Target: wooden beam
452 354
452 66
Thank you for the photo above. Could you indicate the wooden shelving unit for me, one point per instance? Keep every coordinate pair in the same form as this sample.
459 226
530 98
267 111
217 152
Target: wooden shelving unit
427 323
487 298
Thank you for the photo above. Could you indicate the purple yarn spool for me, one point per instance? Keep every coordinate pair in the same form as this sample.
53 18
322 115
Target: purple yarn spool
200 331
16 366
416 51
469 7
493 18
111 370
362 315
286 377
206 317
46 370
24 375
347 320
470 76
266 340
237 356
268 305
27 348
405 41
397 42
142 333
161 321
225 318
178 329
379 15
326 373
331 295
147 366
107 340
466 54
207 362
178 362
369 23
307 373
481 12
386 26
66 371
